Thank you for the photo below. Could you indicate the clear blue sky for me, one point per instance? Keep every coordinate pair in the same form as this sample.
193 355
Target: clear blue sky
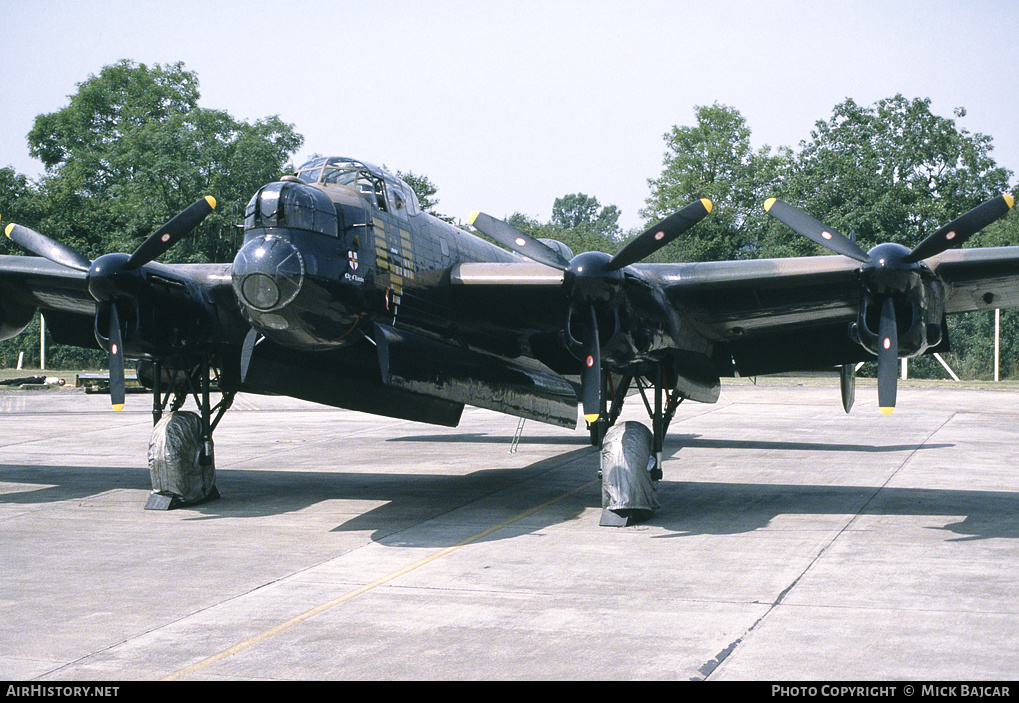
506 106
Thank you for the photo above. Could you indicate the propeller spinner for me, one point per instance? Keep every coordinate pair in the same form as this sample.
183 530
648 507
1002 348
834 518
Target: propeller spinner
593 274
888 270
113 278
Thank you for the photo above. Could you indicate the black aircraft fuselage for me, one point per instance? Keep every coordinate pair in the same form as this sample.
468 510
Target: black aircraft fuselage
341 271
341 244
341 258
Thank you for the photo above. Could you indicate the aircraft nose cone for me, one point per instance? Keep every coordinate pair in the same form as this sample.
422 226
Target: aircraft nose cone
267 273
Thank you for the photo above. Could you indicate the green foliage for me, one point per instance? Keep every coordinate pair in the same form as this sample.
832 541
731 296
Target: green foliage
972 338
579 221
714 160
583 213
129 151
107 109
893 172
132 149
17 204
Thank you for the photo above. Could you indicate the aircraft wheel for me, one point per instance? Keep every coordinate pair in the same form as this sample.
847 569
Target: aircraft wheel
175 459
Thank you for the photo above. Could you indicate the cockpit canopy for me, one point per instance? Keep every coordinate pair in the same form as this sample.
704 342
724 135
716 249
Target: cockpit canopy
377 185
291 205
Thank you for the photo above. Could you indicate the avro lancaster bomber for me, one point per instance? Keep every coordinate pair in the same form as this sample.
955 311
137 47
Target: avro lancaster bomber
346 293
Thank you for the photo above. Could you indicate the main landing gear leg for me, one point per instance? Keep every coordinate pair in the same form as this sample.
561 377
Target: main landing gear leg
631 460
665 404
181 456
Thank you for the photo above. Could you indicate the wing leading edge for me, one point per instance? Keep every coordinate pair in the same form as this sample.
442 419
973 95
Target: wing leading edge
771 315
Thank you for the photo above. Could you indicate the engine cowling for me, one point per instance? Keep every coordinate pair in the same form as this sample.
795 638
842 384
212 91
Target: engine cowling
917 295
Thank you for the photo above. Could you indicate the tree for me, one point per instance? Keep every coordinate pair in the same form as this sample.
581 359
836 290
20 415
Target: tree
129 151
132 148
892 172
106 109
896 172
18 203
583 212
579 221
715 160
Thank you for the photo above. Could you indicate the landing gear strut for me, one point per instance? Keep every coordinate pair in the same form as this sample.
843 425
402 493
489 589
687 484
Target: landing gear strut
666 400
181 456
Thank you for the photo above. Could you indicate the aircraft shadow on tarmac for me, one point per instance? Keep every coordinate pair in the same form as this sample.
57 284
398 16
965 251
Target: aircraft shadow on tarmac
693 441
689 507
697 508
675 443
484 438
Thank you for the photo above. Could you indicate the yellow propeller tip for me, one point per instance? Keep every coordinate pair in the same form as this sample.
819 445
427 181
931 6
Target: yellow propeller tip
1009 200
473 216
8 229
707 204
768 203
118 407
592 418
211 201
887 411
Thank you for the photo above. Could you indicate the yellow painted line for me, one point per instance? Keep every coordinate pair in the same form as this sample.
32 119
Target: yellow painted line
350 595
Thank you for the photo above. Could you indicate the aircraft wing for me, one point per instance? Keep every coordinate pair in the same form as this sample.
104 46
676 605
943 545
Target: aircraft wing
735 300
779 315
36 282
740 299
979 279
774 315
28 283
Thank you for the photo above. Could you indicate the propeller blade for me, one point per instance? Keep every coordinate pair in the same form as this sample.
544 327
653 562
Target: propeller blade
116 361
41 245
956 232
590 373
247 349
170 233
521 243
887 358
661 234
814 230
847 383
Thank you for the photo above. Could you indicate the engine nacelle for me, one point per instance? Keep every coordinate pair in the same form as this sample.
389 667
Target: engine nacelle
560 247
13 319
917 294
